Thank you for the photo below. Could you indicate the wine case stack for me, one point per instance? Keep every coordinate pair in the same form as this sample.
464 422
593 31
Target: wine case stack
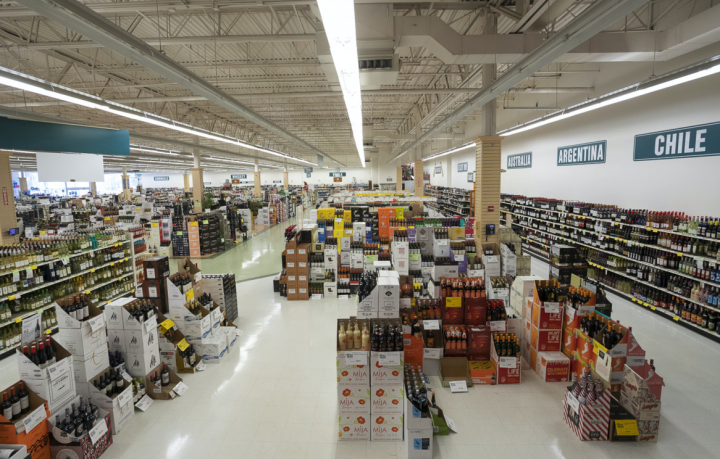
224 293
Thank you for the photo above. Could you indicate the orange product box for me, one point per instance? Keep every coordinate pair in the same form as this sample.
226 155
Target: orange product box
545 340
479 342
35 434
303 291
413 350
453 311
482 372
533 358
548 316
303 252
553 366
527 309
476 310
584 349
569 345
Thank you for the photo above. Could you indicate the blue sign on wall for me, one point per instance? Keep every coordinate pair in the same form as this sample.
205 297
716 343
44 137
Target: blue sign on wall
52 137
688 142
161 178
238 176
584 153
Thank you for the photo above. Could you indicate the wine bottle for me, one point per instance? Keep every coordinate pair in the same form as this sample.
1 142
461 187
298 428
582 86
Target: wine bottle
24 399
165 375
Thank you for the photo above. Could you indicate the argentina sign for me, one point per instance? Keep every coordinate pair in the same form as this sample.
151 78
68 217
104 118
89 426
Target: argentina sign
522 160
688 142
584 153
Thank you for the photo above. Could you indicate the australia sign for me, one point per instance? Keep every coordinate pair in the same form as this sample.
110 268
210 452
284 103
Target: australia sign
523 160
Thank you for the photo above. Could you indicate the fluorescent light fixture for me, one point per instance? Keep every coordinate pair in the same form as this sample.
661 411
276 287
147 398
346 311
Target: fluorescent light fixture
668 80
338 17
159 152
45 88
451 151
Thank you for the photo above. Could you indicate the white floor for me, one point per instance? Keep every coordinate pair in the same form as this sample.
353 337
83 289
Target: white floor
276 397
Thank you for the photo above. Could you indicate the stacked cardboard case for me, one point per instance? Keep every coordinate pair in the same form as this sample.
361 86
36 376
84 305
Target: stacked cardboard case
297 265
353 391
224 292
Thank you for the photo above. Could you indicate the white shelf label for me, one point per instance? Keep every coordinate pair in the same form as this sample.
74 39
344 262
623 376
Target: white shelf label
180 388
97 432
34 419
151 324
144 403
356 358
508 362
431 324
97 322
389 358
432 353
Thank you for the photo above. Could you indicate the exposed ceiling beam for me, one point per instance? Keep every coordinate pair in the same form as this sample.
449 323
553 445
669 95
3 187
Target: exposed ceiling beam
84 21
590 22
179 41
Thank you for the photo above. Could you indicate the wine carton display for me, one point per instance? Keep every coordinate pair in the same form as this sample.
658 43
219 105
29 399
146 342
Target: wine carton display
640 394
386 427
89 365
156 267
479 347
64 445
388 297
453 310
454 369
354 427
164 388
545 340
419 443
120 406
553 366
482 372
213 350
55 383
352 374
138 364
141 341
547 316
386 368
116 341
387 399
80 337
588 422
30 429
353 399
508 369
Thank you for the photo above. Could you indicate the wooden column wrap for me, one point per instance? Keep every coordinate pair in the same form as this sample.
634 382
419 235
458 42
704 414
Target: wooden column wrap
487 178
419 180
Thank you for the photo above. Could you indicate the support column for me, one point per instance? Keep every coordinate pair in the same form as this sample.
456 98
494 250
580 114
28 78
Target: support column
23 185
198 188
448 171
127 191
93 188
489 73
487 188
186 181
258 188
285 179
375 170
398 187
419 179
7 205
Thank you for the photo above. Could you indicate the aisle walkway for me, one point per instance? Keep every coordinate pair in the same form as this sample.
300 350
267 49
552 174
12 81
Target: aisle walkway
275 396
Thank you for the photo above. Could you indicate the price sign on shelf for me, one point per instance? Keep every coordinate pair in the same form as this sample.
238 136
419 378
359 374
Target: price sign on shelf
626 427
389 358
144 403
180 388
356 358
458 386
431 324
97 432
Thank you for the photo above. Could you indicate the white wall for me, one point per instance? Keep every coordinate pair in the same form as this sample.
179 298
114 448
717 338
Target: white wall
687 184
450 176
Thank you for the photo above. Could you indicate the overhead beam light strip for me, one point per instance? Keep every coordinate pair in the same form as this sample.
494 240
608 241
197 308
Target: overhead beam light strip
668 80
338 17
451 151
45 88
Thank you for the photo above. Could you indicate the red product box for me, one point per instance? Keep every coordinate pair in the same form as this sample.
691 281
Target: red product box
453 311
475 310
479 342
548 316
545 340
508 370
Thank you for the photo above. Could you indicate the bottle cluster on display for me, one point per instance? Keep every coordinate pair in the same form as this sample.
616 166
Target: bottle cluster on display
111 383
40 353
78 420
665 261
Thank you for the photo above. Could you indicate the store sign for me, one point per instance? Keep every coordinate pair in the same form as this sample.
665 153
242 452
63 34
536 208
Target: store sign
308 170
438 169
688 142
277 181
337 179
584 153
238 176
520 161
462 167
308 175
163 178
235 181
337 174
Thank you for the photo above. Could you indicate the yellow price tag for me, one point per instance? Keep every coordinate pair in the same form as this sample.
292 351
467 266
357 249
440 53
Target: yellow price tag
109 302
189 295
646 305
48 331
18 320
133 291
92 270
193 224
34 266
633 300
137 209
626 427
676 319
655 231
167 324
87 292
183 344
453 302
652 308
107 219
11 297
42 233
112 264
597 347
154 224
680 254
205 222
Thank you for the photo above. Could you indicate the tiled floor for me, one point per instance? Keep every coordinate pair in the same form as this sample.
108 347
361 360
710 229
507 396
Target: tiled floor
275 396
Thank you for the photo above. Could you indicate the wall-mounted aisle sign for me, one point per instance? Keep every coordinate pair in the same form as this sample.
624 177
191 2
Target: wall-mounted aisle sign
337 174
238 176
164 178
308 170
584 153
520 161
693 141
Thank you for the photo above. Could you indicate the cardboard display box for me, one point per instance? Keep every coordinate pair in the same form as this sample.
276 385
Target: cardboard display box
64 445
589 423
119 406
508 370
354 427
386 427
56 385
386 374
80 338
353 399
161 393
640 395
482 372
553 366
454 369
387 399
35 437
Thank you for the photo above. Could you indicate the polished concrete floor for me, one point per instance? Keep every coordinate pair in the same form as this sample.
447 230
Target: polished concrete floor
275 396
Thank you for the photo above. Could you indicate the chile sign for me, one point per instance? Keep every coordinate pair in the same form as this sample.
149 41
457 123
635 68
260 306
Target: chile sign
523 160
584 153
688 142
